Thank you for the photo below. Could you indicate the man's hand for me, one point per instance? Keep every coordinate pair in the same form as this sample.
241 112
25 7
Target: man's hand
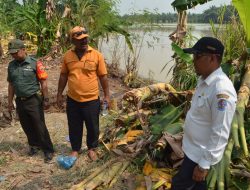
11 107
46 104
107 99
59 101
199 174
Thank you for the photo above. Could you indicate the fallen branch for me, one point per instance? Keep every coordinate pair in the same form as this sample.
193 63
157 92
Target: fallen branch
240 173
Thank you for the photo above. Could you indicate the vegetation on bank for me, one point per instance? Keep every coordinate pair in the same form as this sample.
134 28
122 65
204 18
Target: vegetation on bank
211 14
47 22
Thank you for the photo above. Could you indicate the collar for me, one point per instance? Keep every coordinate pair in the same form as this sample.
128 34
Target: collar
26 60
210 78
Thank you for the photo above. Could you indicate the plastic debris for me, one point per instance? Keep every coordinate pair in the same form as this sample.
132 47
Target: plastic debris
2 178
66 162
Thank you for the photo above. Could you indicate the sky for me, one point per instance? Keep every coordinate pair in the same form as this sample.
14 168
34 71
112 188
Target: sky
161 6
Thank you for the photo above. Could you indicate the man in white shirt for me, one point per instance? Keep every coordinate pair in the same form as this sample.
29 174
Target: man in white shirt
208 122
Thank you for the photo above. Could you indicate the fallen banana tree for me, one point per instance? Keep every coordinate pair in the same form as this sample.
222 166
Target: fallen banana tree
105 175
137 97
126 139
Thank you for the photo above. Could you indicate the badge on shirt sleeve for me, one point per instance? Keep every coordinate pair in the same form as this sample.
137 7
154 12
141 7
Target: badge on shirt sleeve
222 104
40 71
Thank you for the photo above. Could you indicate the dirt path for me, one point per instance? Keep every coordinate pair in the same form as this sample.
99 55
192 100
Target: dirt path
19 171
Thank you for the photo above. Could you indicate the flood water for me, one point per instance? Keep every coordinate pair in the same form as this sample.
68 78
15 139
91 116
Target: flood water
153 49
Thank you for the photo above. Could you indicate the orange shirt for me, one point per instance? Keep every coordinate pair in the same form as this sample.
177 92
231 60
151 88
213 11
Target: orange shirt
83 74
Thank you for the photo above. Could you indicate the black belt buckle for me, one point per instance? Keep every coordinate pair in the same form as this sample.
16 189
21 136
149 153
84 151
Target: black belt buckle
23 98
39 93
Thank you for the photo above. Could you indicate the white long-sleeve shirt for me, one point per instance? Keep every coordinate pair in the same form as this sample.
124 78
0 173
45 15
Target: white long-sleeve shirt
208 122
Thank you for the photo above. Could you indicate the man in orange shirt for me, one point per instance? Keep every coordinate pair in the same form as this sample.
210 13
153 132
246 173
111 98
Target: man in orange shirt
82 66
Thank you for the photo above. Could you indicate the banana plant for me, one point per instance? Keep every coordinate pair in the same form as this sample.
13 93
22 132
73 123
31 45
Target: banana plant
241 5
6 9
99 18
33 17
242 8
182 5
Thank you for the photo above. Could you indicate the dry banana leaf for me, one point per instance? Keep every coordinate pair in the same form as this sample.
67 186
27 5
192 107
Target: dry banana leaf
147 168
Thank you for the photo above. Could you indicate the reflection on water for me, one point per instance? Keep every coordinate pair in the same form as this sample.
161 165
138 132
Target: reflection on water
154 51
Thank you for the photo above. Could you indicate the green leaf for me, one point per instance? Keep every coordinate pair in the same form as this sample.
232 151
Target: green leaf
240 183
227 67
242 7
184 56
182 5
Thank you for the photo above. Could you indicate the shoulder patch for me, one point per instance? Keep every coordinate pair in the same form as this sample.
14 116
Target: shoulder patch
222 104
223 96
40 66
40 71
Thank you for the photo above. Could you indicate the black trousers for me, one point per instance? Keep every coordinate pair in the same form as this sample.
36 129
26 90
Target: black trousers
32 120
78 113
183 179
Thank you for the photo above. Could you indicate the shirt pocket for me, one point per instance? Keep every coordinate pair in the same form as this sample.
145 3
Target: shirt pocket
202 105
28 73
90 65
200 102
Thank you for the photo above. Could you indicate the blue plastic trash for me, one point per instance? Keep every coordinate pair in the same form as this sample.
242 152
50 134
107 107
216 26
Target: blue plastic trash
2 178
66 161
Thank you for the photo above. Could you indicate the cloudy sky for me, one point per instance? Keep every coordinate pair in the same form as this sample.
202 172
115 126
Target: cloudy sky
129 6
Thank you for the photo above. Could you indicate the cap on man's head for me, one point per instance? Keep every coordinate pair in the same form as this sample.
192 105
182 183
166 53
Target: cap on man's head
206 45
15 45
78 33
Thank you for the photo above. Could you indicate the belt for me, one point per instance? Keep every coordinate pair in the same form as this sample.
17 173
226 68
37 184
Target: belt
25 98
39 93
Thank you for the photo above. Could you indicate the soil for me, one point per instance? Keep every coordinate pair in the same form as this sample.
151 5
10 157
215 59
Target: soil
20 171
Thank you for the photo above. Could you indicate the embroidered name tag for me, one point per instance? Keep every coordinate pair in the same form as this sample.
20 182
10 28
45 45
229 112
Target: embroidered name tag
222 104
28 69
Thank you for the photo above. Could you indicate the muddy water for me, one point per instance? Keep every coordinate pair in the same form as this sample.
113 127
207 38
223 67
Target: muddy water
153 49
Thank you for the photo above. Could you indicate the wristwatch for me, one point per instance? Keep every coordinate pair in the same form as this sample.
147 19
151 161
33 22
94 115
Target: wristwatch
202 169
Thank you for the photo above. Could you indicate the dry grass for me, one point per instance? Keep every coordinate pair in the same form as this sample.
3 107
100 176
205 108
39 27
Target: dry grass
23 172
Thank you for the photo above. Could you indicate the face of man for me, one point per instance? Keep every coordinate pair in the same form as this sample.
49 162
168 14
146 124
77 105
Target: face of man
20 55
205 63
81 44
202 64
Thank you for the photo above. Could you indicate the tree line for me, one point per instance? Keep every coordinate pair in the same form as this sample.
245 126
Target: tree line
211 14
48 21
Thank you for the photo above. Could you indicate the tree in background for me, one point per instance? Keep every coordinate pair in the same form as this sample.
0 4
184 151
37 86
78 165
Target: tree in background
45 19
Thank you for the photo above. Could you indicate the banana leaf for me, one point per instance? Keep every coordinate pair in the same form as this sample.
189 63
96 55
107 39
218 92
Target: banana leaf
162 124
182 5
163 113
242 7
184 56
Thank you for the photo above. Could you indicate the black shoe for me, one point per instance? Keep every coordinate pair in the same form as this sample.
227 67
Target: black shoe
48 156
33 151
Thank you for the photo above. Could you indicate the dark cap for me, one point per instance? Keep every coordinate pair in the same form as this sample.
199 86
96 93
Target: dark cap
206 45
15 45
